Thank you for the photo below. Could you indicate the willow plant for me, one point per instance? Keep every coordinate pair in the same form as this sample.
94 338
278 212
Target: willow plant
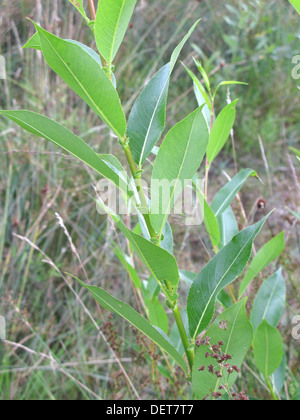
210 350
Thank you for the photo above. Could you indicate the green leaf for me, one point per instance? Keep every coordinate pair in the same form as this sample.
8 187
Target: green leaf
269 252
268 349
85 76
128 313
228 226
179 47
157 314
228 83
34 42
201 88
111 23
50 130
221 131
226 195
161 264
148 116
221 271
78 4
177 161
269 301
237 339
296 4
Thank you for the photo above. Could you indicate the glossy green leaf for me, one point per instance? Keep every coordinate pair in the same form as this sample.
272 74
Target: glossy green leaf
178 159
78 4
269 301
221 271
226 195
296 4
50 130
237 339
148 116
128 313
111 23
269 252
268 349
147 119
221 131
84 75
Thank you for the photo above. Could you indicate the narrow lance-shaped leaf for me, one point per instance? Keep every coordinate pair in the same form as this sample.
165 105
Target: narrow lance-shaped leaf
177 161
236 338
128 313
269 252
147 119
111 23
85 76
177 50
268 349
50 130
269 301
226 195
148 116
221 271
221 131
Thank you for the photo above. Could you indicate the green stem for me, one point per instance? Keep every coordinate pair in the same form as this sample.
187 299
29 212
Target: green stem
184 338
139 185
271 389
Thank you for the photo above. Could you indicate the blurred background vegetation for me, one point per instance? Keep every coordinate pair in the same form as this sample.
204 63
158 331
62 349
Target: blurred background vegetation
250 41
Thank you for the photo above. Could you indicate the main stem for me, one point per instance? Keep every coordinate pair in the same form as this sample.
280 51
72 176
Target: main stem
184 338
138 180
